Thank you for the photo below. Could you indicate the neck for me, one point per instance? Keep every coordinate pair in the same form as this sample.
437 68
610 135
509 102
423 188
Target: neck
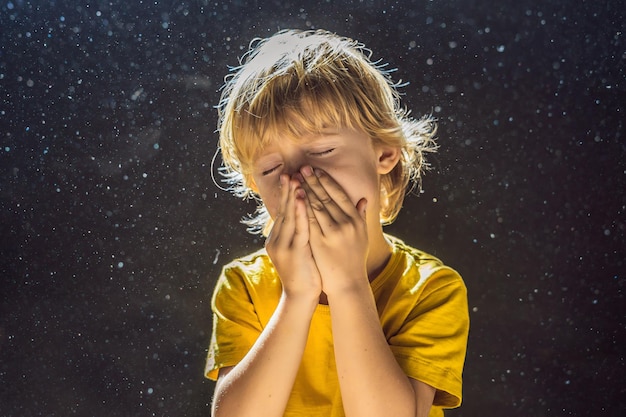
379 254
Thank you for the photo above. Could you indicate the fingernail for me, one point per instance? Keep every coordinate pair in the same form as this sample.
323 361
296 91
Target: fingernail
318 172
282 179
298 177
307 171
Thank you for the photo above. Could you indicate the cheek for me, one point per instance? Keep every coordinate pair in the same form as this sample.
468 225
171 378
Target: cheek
270 195
357 184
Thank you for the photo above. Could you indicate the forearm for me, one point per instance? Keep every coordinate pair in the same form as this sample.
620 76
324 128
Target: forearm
372 383
261 383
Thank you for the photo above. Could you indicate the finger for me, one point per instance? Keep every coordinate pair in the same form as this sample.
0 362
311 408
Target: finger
336 192
313 223
289 220
327 195
301 232
320 201
282 207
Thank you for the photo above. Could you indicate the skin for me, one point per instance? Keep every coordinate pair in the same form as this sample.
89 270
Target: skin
327 244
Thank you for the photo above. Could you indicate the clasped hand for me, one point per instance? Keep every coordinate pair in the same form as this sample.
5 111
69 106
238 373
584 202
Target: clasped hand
319 238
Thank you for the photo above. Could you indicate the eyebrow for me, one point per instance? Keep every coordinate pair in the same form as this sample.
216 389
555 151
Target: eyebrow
315 137
262 158
324 135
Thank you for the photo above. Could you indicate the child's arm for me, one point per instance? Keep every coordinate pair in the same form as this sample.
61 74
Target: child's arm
371 381
264 378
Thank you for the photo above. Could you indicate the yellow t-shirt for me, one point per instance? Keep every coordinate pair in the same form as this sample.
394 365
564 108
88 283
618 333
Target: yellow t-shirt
423 312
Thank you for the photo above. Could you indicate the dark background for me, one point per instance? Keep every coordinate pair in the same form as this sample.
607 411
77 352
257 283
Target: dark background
113 232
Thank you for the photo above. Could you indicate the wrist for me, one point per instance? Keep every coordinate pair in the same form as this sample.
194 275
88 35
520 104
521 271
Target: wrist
355 303
353 287
305 302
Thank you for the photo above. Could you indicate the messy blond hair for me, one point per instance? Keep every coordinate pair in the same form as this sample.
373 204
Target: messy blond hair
295 83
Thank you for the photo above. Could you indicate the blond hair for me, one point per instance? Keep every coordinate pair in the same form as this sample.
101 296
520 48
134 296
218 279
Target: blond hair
296 83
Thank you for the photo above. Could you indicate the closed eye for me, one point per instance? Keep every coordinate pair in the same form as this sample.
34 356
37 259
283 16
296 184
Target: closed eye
269 171
326 152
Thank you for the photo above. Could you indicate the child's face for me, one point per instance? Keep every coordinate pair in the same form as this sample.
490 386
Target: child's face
348 156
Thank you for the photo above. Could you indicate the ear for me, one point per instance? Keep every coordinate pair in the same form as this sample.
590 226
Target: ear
388 157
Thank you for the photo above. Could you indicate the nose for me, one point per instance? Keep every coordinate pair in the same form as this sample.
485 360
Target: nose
294 163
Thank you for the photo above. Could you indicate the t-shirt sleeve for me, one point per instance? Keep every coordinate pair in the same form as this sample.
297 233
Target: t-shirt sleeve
432 342
236 325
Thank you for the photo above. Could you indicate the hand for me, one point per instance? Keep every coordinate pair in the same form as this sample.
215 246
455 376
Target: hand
338 232
288 244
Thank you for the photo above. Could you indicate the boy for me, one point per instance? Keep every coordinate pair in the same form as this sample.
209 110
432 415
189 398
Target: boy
333 317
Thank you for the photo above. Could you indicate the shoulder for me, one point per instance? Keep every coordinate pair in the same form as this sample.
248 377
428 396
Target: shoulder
426 265
247 272
248 286
254 261
421 269
426 321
